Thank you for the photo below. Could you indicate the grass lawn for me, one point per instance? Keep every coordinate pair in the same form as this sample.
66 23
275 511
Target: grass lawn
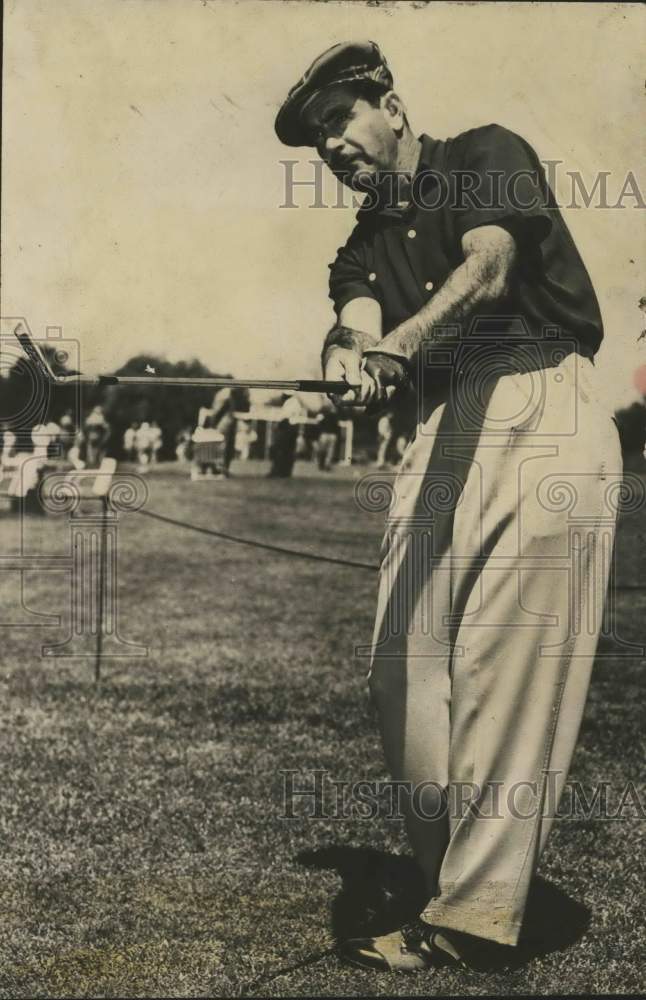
145 849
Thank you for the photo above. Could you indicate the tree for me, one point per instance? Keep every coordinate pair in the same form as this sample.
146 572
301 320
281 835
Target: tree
174 408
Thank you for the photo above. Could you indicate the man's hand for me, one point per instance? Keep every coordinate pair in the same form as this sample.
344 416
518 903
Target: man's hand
388 376
344 364
379 376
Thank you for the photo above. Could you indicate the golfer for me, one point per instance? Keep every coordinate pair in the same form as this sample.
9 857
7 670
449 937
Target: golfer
461 278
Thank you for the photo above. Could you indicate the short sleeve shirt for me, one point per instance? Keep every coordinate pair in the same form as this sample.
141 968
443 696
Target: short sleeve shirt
488 175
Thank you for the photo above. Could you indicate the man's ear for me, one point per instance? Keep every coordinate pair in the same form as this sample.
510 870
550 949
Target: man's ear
395 110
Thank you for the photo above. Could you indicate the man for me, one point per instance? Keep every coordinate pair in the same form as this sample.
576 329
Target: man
92 444
224 421
156 441
68 433
283 446
462 278
129 438
385 437
328 439
143 446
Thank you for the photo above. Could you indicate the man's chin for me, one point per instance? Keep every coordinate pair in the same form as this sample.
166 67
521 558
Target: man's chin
358 178
362 179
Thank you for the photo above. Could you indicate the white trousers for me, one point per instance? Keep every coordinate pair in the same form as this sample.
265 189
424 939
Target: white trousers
493 580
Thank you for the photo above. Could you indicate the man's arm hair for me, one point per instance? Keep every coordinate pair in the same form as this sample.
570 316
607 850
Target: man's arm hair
358 327
352 340
480 282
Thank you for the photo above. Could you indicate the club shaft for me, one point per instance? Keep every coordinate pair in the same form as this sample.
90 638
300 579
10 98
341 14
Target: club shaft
286 385
40 363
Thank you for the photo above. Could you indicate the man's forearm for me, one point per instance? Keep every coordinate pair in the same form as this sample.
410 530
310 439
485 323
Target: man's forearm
349 339
478 282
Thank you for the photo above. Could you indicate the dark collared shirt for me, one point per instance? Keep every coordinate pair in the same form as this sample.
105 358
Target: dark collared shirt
486 176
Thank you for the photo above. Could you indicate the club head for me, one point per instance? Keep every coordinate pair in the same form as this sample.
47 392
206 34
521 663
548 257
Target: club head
35 355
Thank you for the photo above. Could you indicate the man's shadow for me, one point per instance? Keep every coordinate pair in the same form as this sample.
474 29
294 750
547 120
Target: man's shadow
381 891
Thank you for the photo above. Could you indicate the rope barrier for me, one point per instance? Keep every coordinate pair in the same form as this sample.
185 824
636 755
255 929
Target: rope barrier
296 553
300 554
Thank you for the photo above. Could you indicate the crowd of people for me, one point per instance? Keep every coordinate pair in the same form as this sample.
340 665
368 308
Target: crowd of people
220 435
294 433
24 457
142 442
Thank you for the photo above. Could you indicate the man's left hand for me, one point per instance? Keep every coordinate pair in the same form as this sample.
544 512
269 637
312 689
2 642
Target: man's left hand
388 376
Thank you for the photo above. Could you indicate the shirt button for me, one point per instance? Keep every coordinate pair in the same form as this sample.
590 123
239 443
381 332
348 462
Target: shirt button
429 286
411 234
372 276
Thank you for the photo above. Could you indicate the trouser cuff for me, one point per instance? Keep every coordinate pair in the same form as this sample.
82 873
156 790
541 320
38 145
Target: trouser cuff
482 922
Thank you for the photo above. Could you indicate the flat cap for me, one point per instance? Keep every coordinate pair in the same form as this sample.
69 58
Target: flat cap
343 63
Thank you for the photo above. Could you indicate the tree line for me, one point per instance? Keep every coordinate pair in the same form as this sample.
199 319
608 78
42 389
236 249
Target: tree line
174 408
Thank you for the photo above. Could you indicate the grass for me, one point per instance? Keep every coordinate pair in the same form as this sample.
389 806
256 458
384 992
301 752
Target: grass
145 851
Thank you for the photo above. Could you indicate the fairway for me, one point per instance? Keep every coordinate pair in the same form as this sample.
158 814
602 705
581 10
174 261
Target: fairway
146 844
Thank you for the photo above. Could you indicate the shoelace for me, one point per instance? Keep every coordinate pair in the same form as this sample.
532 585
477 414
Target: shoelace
416 932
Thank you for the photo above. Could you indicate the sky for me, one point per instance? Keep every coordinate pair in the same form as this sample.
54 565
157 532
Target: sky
144 187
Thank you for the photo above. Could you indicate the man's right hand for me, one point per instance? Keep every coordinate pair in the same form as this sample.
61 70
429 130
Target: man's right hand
344 364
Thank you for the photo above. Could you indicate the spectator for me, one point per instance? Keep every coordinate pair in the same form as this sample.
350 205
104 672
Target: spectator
46 440
129 442
182 445
244 438
67 433
384 436
208 451
97 419
7 445
156 441
283 448
92 441
143 446
301 442
26 468
224 421
328 439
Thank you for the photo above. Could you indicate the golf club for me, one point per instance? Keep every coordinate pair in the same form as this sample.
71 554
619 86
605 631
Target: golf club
40 363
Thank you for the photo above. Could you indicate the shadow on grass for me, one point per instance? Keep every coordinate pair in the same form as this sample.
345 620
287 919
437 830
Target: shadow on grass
381 891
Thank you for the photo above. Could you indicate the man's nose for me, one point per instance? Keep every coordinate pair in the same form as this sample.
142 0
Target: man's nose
332 144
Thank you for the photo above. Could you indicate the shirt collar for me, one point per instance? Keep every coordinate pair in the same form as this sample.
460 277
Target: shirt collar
427 161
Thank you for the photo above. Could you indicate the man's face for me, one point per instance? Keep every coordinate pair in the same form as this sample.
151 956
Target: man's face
356 140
